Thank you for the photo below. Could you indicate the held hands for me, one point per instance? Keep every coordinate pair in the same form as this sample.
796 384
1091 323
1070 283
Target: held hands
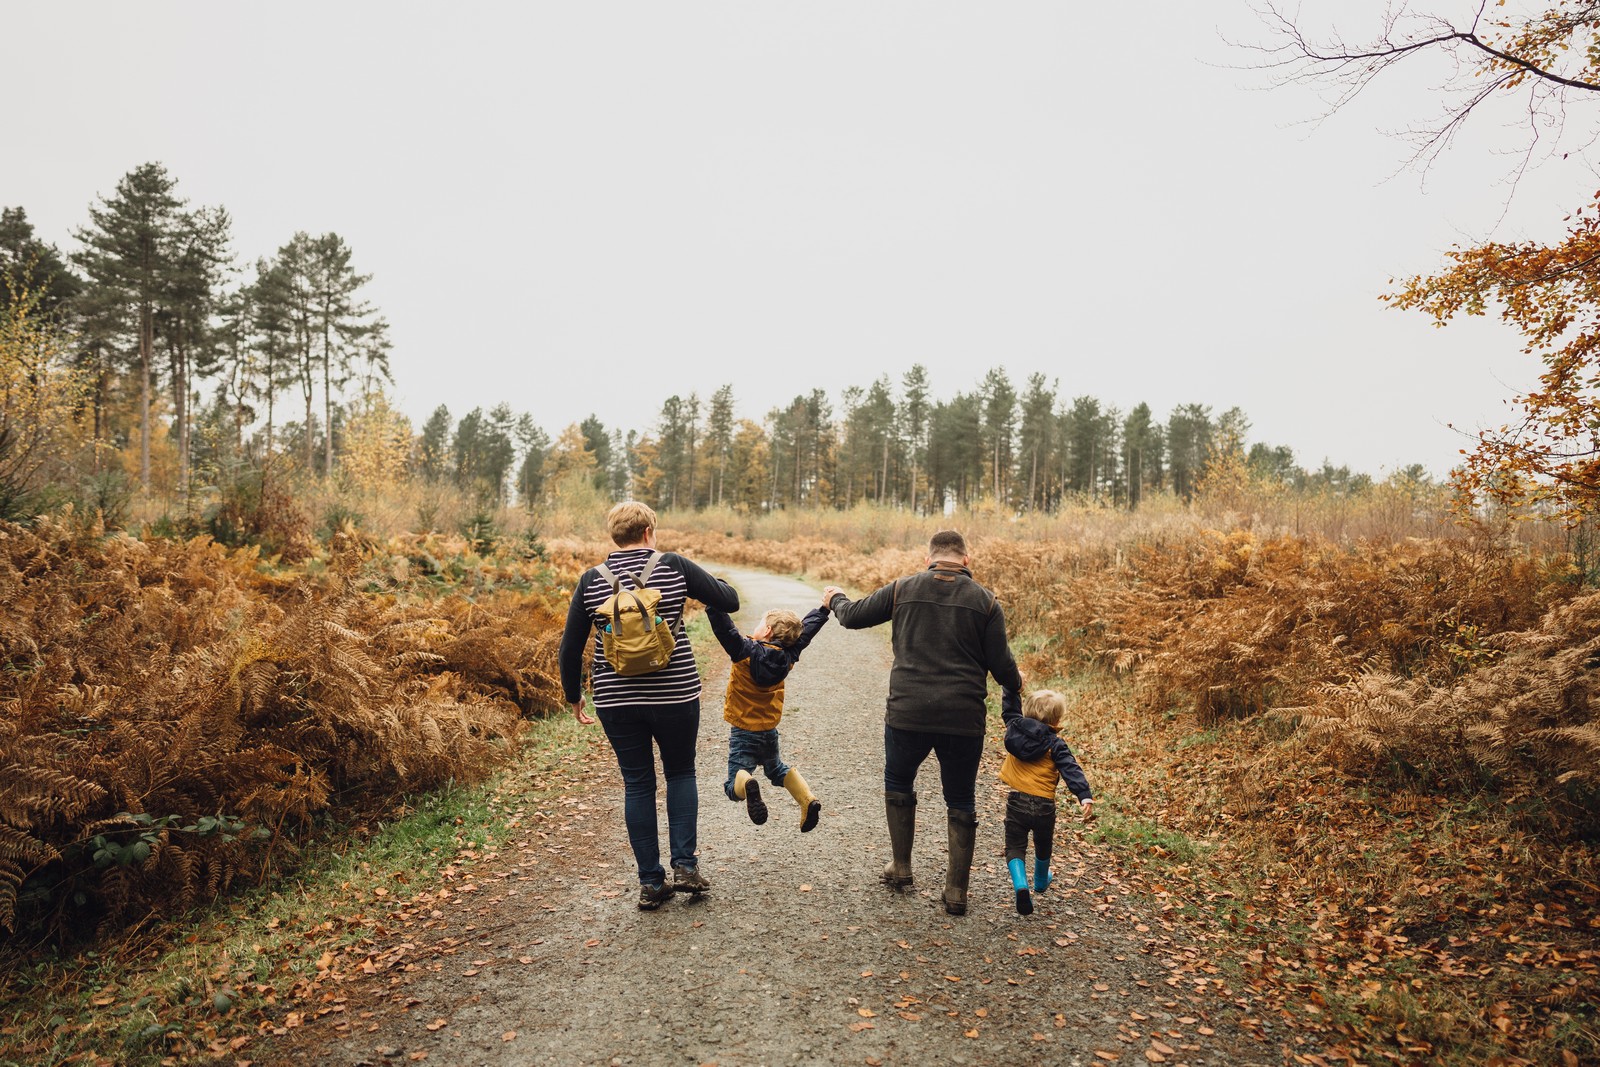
583 717
829 593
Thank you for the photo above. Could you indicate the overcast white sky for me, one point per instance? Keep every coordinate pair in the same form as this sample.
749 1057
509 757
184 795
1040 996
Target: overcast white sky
582 208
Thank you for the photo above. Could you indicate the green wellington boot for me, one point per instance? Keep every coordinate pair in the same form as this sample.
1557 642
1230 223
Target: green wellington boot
901 808
962 827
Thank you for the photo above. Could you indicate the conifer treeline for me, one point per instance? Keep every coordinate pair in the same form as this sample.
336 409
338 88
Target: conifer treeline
169 335
174 343
1031 449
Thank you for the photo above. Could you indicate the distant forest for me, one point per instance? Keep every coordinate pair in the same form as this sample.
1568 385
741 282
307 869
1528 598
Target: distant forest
185 366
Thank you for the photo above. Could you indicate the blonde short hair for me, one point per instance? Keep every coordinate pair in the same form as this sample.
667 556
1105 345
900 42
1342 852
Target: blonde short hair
628 521
782 626
1046 705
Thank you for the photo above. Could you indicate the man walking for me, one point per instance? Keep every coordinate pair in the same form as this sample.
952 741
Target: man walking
949 638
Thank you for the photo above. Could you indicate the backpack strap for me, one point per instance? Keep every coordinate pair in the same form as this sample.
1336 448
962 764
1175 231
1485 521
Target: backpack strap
639 580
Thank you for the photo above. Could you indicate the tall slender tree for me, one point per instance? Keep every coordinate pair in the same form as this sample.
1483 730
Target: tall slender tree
128 249
189 302
1037 440
915 407
719 441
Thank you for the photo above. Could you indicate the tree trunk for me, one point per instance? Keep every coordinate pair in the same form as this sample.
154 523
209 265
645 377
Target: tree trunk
327 396
147 342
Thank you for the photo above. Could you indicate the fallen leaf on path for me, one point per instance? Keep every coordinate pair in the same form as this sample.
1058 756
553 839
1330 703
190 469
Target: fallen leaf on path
591 943
1109 1057
509 1035
1163 1048
970 1033
982 1013
1153 1056
438 1024
856 1028
866 1013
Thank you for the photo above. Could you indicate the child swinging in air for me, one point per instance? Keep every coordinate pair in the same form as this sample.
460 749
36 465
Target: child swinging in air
1036 758
755 704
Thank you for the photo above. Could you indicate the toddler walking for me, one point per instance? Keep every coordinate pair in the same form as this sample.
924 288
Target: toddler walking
754 705
1036 758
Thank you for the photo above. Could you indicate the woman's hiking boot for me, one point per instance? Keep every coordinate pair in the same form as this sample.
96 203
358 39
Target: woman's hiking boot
901 809
1019 882
810 806
652 897
747 789
689 880
963 831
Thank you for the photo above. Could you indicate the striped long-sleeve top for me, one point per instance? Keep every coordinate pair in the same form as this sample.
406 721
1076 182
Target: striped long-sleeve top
678 579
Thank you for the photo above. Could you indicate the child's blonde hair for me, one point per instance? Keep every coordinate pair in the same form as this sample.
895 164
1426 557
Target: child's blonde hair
1046 705
782 626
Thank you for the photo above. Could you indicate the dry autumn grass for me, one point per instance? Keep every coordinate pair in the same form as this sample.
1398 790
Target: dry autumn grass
175 717
1365 770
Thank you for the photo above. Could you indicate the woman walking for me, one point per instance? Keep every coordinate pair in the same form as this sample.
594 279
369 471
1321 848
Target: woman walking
661 707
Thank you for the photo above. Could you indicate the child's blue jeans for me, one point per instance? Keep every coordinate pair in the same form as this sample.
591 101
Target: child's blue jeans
748 749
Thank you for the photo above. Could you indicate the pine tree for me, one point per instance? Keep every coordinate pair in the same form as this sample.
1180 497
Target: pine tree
1037 440
999 430
28 265
184 317
913 417
433 445
719 440
128 249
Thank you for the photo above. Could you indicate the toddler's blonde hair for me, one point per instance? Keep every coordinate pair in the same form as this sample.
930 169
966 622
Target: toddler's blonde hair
782 626
1046 705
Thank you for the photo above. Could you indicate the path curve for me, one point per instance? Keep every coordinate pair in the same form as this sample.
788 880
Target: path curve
797 955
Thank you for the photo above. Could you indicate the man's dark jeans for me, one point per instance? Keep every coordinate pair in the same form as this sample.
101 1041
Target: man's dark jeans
672 728
958 754
1025 812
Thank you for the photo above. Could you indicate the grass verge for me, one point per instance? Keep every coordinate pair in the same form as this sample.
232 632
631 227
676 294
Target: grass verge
201 985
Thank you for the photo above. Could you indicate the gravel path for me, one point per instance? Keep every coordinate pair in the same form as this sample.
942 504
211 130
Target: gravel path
797 954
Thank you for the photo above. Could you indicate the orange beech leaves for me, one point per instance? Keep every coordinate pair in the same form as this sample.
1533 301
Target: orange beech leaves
1551 293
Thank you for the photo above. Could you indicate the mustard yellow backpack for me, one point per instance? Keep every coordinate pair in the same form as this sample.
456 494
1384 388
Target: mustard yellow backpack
634 639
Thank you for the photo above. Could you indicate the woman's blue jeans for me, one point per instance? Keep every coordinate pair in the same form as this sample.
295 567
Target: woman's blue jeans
672 728
958 754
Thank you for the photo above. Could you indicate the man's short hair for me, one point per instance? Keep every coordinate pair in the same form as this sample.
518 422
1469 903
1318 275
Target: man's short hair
947 543
783 627
628 521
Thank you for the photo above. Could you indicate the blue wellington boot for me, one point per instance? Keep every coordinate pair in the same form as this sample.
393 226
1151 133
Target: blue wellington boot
1019 882
1041 875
